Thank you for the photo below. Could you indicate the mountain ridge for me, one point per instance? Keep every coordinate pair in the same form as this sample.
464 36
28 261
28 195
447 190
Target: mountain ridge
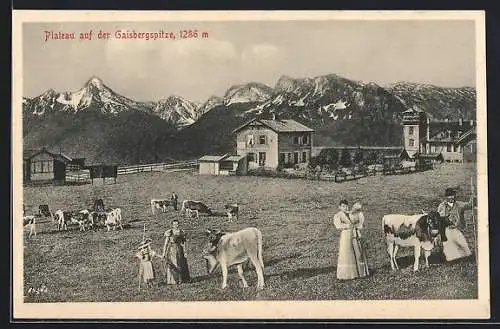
342 111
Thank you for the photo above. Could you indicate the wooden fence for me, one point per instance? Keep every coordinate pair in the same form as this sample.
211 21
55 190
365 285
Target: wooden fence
343 176
84 174
156 167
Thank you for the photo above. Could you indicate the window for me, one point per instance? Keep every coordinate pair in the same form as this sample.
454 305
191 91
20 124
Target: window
251 157
282 158
289 157
411 142
226 165
250 141
304 156
448 148
41 166
296 157
262 159
458 148
305 139
296 140
410 130
262 140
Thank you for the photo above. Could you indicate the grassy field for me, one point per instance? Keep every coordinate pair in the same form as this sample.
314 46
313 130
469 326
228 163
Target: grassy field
300 241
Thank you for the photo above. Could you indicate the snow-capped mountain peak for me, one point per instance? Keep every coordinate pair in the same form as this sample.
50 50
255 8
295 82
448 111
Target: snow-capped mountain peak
246 93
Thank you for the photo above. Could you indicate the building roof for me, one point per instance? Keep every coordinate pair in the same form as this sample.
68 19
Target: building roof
234 158
30 153
212 158
279 126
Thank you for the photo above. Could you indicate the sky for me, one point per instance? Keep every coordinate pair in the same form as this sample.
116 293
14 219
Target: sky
436 52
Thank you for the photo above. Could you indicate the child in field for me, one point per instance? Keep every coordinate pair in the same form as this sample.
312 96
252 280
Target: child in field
146 270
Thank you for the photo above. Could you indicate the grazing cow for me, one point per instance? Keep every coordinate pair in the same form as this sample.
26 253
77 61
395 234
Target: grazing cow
195 207
114 219
31 221
417 231
232 210
227 249
83 218
161 204
63 218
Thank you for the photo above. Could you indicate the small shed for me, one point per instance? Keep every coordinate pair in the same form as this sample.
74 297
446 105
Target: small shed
233 164
427 158
42 165
210 164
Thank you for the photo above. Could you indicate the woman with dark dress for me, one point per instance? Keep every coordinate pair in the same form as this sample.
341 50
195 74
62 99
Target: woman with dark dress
174 252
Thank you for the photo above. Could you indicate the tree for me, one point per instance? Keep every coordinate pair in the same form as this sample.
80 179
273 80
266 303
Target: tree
345 158
358 156
332 158
371 157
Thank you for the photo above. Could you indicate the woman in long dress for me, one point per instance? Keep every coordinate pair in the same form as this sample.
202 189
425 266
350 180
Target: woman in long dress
351 261
456 245
176 266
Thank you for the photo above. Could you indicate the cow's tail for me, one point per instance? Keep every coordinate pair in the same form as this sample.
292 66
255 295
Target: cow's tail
259 248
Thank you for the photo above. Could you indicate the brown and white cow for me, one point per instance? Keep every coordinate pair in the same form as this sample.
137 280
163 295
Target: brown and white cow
196 207
417 231
62 219
228 249
161 204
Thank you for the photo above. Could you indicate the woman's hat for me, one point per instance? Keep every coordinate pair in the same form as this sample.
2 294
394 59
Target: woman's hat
145 243
450 192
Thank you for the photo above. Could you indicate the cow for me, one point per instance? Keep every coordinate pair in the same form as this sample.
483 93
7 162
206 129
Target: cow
114 219
228 249
232 210
161 204
62 219
83 218
196 207
31 221
418 231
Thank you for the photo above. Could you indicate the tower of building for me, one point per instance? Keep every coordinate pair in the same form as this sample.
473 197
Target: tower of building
414 129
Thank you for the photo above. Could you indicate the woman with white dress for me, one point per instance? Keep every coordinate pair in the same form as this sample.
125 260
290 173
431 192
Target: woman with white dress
351 262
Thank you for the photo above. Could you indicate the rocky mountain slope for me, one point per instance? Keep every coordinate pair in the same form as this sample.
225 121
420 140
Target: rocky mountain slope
342 111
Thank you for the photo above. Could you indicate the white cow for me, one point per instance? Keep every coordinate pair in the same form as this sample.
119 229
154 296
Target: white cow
114 219
31 221
227 249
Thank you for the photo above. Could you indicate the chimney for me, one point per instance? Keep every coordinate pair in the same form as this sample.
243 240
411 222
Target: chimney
460 122
471 123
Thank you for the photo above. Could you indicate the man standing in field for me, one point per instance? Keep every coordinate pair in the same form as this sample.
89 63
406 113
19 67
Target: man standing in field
174 198
453 211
